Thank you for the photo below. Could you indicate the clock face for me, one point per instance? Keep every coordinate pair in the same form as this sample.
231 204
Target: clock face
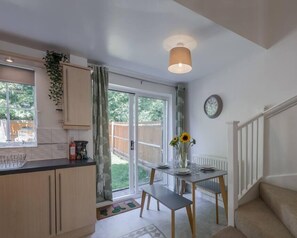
213 106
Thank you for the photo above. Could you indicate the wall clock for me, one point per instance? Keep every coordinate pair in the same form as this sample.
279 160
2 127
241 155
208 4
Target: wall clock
213 106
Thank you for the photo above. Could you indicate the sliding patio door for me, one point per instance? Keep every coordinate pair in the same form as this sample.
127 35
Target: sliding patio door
138 129
151 137
121 134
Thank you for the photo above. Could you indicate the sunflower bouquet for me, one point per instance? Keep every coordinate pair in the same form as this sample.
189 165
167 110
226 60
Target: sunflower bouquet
182 144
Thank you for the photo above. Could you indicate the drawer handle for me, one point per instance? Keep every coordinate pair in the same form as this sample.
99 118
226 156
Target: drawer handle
60 201
50 204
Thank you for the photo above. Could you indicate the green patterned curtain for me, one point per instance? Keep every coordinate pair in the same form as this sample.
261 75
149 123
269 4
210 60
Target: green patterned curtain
101 134
180 107
180 120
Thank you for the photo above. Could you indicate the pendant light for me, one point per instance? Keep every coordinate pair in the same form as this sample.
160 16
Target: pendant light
180 61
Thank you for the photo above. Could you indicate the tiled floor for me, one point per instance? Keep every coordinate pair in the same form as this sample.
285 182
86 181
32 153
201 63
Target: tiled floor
124 223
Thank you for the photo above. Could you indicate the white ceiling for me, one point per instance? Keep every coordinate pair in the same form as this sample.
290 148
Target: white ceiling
123 34
264 22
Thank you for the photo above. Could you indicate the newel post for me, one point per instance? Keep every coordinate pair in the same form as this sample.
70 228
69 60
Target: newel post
233 179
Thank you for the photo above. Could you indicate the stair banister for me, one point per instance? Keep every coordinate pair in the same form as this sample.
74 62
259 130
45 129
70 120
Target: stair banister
246 154
242 125
280 107
233 177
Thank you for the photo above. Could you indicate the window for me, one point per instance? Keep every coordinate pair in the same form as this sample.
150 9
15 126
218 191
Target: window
17 107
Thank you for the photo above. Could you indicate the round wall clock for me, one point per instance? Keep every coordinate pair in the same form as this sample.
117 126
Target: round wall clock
213 106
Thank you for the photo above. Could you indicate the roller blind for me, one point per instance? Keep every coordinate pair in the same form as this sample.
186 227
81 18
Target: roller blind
16 75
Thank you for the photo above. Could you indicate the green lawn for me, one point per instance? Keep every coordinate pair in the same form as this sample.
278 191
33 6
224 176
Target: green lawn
120 176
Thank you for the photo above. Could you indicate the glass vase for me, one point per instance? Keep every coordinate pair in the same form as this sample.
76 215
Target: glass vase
183 159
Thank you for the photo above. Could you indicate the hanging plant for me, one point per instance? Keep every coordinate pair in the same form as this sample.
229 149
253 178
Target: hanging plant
54 71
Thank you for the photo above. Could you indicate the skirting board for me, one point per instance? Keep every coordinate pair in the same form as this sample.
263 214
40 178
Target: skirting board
79 233
283 180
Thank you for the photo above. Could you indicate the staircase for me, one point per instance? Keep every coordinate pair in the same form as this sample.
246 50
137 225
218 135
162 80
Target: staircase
255 208
272 215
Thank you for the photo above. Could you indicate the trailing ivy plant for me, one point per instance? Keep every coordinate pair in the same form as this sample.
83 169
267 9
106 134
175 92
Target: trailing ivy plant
54 71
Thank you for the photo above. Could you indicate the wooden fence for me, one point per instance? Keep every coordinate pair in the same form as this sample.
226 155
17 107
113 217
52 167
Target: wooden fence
149 140
18 129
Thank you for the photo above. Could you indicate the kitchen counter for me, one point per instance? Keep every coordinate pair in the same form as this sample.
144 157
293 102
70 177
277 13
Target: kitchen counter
42 165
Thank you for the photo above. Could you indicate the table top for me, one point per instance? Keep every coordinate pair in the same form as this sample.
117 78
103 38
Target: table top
195 176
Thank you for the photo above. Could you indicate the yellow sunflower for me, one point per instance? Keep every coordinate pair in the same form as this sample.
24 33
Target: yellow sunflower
174 141
185 137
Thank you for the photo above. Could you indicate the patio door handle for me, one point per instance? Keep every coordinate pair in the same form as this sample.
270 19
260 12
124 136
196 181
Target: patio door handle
131 145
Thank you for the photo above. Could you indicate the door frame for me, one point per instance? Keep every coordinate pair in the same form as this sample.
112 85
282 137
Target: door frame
133 133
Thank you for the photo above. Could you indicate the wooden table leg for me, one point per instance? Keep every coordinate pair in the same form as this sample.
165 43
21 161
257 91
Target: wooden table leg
152 177
148 202
224 195
142 202
194 210
190 217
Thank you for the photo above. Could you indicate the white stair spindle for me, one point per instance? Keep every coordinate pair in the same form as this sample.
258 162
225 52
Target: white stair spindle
232 170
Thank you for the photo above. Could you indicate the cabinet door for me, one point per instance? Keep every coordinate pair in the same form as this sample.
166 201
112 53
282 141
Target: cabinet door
77 97
76 198
27 205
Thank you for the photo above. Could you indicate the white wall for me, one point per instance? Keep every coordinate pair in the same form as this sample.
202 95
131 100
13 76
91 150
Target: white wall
281 149
267 78
48 116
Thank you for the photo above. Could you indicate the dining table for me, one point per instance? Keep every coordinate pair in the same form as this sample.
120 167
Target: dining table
196 174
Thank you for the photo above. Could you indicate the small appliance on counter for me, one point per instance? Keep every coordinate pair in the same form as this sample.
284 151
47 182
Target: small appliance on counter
81 149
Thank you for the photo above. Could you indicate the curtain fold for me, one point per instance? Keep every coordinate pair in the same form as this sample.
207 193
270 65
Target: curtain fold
180 119
101 134
180 109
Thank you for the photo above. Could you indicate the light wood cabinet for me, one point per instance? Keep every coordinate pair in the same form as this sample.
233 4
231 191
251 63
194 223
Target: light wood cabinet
77 97
27 205
76 198
56 203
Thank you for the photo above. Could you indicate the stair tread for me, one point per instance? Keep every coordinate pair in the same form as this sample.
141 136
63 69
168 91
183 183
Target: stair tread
255 219
283 202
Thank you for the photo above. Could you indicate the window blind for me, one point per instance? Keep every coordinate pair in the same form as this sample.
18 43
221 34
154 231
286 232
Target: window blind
16 75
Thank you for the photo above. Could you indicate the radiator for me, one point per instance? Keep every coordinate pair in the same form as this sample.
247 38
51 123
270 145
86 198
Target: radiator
215 161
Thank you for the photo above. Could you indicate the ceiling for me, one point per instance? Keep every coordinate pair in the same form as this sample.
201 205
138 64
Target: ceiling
264 22
123 34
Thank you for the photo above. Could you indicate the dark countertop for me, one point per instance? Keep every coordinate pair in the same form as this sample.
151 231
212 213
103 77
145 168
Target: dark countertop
42 165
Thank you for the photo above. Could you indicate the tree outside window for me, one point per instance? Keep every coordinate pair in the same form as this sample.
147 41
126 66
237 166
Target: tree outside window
17 113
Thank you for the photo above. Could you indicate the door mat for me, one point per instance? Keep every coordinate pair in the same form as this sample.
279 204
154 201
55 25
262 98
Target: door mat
116 208
149 231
